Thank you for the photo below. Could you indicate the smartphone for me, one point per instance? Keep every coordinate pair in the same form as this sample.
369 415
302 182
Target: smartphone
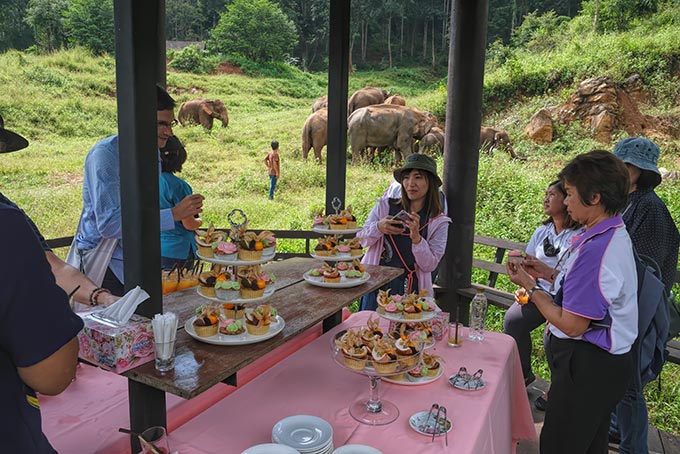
402 216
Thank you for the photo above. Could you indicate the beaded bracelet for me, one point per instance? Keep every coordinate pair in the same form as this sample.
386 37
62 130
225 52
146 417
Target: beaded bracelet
95 293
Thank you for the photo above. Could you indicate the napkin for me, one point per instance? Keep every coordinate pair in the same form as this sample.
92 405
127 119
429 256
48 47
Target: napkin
121 311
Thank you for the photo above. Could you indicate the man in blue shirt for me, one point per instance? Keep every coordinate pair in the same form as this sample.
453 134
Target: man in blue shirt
101 216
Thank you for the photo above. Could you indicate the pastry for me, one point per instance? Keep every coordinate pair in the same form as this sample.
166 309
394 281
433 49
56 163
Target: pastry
349 217
383 300
417 373
250 247
332 276
259 319
252 284
227 290
433 364
353 274
206 322
343 249
225 250
336 222
231 327
343 266
232 310
319 219
205 240
371 332
353 351
355 248
206 282
407 351
384 357
326 246
268 241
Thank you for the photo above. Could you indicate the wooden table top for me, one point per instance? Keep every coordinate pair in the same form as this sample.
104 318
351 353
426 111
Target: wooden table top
199 366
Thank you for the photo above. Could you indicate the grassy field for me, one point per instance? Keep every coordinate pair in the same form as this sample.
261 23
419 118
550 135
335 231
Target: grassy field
65 102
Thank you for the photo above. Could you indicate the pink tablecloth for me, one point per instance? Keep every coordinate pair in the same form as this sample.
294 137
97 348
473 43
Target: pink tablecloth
488 421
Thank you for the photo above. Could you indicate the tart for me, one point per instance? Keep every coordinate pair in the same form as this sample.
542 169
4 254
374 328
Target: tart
383 299
205 240
407 351
433 364
355 247
251 247
417 373
336 222
332 276
353 351
384 357
371 333
225 250
227 290
268 241
206 282
231 327
259 319
353 274
206 322
343 249
235 311
326 247
351 221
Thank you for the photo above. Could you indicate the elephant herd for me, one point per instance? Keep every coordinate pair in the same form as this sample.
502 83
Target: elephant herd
378 121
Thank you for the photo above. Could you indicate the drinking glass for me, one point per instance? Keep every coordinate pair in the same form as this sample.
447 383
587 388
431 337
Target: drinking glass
155 441
455 337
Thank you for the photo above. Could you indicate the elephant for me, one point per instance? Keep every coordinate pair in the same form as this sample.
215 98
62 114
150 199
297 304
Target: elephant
491 139
320 103
315 133
386 125
366 96
433 140
396 100
203 111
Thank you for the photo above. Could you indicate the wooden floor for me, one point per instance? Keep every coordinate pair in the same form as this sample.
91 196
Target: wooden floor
658 441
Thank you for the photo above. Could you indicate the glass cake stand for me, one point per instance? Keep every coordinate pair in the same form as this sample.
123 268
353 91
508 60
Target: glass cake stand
372 411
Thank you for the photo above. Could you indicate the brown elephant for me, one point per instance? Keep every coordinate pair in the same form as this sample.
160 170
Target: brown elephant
491 139
315 133
320 103
385 125
366 96
203 111
433 141
395 99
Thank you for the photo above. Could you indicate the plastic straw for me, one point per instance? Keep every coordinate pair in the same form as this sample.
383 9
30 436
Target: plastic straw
164 331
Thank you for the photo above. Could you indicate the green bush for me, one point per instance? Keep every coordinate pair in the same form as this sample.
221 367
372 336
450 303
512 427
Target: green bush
191 59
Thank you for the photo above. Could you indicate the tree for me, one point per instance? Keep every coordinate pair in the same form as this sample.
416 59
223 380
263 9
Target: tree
45 18
184 20
89 23
311 22
255 29
14 32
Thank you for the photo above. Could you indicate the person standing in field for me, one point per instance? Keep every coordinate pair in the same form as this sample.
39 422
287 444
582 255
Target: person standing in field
273 163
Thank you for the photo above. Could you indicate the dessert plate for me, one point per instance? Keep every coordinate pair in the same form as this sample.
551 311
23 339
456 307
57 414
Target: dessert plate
420 423
429 315
237 339
237 262
270 448
356 449
413 381
339 257
329 231
268 291
344 281
305 433
466 385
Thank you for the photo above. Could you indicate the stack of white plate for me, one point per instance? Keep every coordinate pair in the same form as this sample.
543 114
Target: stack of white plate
270 448
356 449
307 434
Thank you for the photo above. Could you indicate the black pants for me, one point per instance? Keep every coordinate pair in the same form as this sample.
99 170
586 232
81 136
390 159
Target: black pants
587 383
112 283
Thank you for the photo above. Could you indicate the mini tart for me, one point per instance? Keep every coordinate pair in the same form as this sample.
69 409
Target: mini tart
205 326
384 362
353 274
249 256
337 222
355 358
343 266
343 249
417 372
232 327
325 249
234 311
206 283
393 308
407 353
332 277
356 251
205 240
250 248
413 311
251 288
225 250
433 369
259 320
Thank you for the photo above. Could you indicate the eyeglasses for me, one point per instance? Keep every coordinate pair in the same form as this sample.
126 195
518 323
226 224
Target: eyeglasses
549 249
165 124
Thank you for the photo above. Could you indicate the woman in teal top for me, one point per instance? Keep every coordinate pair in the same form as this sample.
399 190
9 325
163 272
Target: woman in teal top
178 247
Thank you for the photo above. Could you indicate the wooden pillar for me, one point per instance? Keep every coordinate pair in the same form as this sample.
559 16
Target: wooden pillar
461 150
338 69
137 47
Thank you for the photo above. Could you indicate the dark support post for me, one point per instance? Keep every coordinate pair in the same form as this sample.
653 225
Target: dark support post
137 28
161 75
338 69
461 153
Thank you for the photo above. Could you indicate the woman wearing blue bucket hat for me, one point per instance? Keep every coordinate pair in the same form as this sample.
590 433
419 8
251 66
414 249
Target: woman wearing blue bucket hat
654 234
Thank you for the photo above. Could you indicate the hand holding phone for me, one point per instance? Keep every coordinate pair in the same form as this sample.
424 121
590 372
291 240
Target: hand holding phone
402 216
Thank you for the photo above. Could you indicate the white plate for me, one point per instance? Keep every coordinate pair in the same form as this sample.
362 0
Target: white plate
356 449
270 448
418 420
303 432
268 291
339 257
400 317
472 385
238 339
344 282
328 231
419 381
237 262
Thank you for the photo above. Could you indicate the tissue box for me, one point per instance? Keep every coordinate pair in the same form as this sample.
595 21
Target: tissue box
116 348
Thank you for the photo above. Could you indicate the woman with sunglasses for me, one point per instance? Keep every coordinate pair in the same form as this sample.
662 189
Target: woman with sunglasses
592 320
546 247
408 232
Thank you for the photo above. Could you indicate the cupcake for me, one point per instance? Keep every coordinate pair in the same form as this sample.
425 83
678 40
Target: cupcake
355 248
205 240
232 310
417 373
332 276
259 319
315 272
407 351
231 327
354 353
336 222
319 219
325 247
349 217
413 310
227 290
433 364
252 284
268 278
206 283
384 357
250 247
206 322
225 250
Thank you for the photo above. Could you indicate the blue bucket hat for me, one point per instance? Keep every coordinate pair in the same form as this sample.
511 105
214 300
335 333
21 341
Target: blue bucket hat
643 154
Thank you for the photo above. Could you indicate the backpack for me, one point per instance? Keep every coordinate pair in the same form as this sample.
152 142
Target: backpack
649 349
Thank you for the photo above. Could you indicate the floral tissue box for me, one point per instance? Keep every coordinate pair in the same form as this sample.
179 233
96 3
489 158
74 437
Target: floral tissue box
116 348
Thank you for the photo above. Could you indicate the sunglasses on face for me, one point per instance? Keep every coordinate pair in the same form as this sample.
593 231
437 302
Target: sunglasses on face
549 249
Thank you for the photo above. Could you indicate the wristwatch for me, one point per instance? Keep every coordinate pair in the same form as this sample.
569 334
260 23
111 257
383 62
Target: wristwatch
534 289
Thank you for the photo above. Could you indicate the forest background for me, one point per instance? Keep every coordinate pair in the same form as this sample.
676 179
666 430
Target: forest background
57 74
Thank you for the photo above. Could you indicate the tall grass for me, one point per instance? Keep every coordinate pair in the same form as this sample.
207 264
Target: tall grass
65 102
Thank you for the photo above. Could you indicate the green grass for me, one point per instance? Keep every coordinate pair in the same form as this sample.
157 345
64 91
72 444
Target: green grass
64 103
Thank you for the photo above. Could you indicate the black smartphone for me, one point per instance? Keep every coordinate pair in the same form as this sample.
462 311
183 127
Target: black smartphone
402 216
